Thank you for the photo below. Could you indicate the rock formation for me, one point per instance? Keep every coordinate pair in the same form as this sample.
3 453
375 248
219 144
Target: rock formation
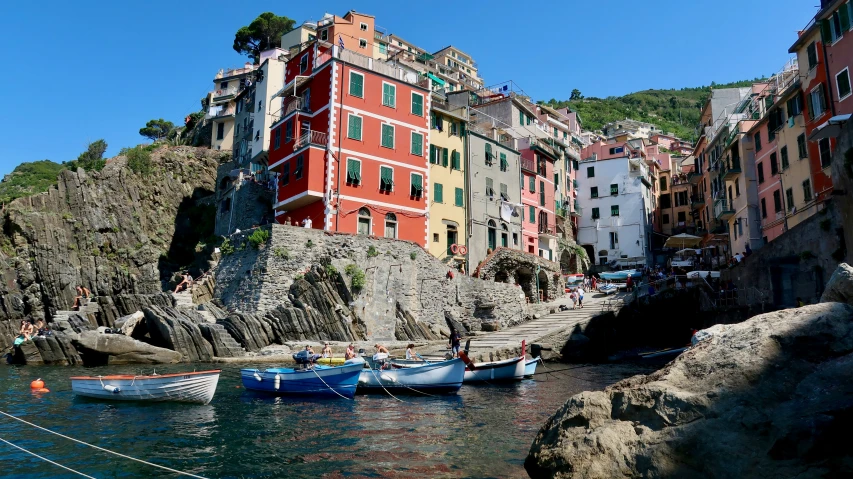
100 349
769 397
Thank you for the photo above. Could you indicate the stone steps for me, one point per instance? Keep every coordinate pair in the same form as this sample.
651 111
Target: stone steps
228 340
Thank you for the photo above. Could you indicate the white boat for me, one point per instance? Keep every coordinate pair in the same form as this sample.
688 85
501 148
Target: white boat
530 366
608 288
194 387
506 370
444 377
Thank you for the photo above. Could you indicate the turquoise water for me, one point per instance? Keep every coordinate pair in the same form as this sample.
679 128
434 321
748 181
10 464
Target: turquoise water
484 431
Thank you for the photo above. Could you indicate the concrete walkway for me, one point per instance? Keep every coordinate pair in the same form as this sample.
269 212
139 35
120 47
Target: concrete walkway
532 331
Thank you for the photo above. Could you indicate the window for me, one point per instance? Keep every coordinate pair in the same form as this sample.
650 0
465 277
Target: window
593 192
353 171
763 208
682 216
795 105
434 155
737 186
354 127
455 160
277 139
556 181
825 153
760 167
362 43
614 189
515 239
435 238
488 154
389 95
758 141
417 104
614 210
590 172
300 163
777 200
324 34
774 164
532 184
288 131
520 117
356 84
665 201
504 192
618 149
303 63
842 82
504 163
802 151
387 136
220 131
833 28
390 225
811 51
817 102
595 214
444 157
285 174
789 197
417 144
665 219
454 128
541 193
386 179
663 183
223 85
459 200
490 187
784 153
531 215
363 26
438 193
417 185
504 235
492 235
614 240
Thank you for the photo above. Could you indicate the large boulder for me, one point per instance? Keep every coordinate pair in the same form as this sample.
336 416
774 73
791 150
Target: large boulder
170 328
101 349
765 398
839 289
127 324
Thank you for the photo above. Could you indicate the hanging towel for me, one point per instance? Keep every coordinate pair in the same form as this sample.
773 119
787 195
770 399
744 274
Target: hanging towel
506 211
791 122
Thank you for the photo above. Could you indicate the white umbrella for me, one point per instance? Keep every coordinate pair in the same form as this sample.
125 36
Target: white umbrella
686 251
684 240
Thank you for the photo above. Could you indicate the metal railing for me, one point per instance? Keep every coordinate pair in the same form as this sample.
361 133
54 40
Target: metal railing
225 92
722 208
311 137
528 164
547 229
214 112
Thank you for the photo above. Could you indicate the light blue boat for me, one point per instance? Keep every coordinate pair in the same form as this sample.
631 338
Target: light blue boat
306 380
438 377
621 275
530 367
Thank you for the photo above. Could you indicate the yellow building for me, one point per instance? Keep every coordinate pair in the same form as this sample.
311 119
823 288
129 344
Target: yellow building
447 208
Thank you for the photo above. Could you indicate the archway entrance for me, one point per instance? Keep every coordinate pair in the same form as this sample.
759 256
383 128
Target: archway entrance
568 262
502 277
543 286
526 280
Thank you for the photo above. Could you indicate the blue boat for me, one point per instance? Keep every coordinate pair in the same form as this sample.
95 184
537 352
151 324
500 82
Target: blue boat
530 366
306 379
621 275
438 377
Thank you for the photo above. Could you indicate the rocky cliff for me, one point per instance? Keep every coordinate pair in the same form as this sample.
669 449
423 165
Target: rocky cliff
769 397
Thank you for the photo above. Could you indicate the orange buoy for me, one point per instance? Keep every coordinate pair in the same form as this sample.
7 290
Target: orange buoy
37 384
40 390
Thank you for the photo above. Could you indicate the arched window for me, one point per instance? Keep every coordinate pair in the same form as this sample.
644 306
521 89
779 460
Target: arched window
492 235
224 183
390 225
504 235
452 238
364 221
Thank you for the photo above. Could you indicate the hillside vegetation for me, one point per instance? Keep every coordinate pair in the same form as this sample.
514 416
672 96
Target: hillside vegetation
29 179
674 111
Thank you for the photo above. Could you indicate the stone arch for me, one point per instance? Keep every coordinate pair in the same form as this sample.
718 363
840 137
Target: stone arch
543 286
502 277
568 262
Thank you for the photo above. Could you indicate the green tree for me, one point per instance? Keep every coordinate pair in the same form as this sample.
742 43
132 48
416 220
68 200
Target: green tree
576 95
157 129
262 34
92 159
28 179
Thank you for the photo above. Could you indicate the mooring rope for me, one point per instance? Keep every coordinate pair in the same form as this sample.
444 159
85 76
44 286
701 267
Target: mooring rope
330 387
101 448
379 380
46 459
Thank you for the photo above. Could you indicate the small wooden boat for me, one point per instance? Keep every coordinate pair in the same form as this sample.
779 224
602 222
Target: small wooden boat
439 377
530 367
194 387
621 275
306 379
608 288
494 371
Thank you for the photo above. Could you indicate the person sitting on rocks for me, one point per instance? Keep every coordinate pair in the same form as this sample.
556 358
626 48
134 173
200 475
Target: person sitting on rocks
186 279
327 351
78 299
27 330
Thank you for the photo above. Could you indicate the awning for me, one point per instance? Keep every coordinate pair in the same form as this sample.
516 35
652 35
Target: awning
830 129
435 79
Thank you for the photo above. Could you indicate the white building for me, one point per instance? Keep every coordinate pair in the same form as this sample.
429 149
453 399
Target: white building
614 195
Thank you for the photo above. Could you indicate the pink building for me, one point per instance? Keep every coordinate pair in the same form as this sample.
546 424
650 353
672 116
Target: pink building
537 194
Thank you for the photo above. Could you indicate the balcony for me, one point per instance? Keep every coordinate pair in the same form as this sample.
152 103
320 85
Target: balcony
528 165
294 104
723 210
311 137
547 231
225 93
731 168
575 184
697 201
577 211
694 177
544 147
219 112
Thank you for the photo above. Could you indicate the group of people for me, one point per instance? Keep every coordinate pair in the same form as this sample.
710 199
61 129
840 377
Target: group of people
82 293
30 330
576 296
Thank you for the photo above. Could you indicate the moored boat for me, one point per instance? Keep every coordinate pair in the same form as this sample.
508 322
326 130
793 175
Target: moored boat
306 379
192 387
530 366
431 377
608 288
492 371
621 275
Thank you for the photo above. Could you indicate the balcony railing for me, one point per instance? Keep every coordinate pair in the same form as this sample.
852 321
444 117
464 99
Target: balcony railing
547 229
731 168
576 210
697 201
680 180
722 209
694 177
225 92
312 137
219 112
528 164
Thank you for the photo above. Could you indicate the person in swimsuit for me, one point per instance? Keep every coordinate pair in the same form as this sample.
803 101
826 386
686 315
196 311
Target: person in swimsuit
350 352
327 351
410 352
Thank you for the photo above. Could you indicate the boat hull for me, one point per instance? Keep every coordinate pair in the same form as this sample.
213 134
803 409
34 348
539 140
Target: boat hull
530 367
320 381
195 387
621 275
507 370
441 377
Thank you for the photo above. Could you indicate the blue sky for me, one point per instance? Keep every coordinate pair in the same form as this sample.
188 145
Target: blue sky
77 71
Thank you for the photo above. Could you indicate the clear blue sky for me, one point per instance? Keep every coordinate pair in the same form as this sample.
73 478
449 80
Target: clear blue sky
77 71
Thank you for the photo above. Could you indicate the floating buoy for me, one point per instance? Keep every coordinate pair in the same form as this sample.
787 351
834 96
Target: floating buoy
40 390
257 376
37 384
277 381
388 377
112 389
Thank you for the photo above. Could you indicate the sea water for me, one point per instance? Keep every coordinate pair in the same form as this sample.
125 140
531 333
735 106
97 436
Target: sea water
483 431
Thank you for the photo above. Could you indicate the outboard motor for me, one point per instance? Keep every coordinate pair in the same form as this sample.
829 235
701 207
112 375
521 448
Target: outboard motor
304 359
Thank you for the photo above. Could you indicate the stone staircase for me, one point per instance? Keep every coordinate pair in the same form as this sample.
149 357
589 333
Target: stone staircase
184 302
60 320
227 340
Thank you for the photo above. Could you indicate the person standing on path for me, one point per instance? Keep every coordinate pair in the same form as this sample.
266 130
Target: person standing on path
580 297
629 284
455 341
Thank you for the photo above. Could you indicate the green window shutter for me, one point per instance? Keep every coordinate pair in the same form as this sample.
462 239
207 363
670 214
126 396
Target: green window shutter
444 156
614 210
556 180
504 163
490 187
438 190
528 120
386 177
459 198
532 214
455 161
520 117
417 104
844 16
417 184
488 154
356 85
388 136
417 144
353 171
433 154
504 191
825 32
354 129
462 129
532 186
389 95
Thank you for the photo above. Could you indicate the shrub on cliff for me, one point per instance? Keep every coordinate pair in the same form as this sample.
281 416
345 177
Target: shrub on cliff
357 276
138 159
259 237
29 179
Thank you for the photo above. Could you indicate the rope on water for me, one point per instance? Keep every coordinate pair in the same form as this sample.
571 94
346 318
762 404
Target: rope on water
46 459
330 387
101 448
379 380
